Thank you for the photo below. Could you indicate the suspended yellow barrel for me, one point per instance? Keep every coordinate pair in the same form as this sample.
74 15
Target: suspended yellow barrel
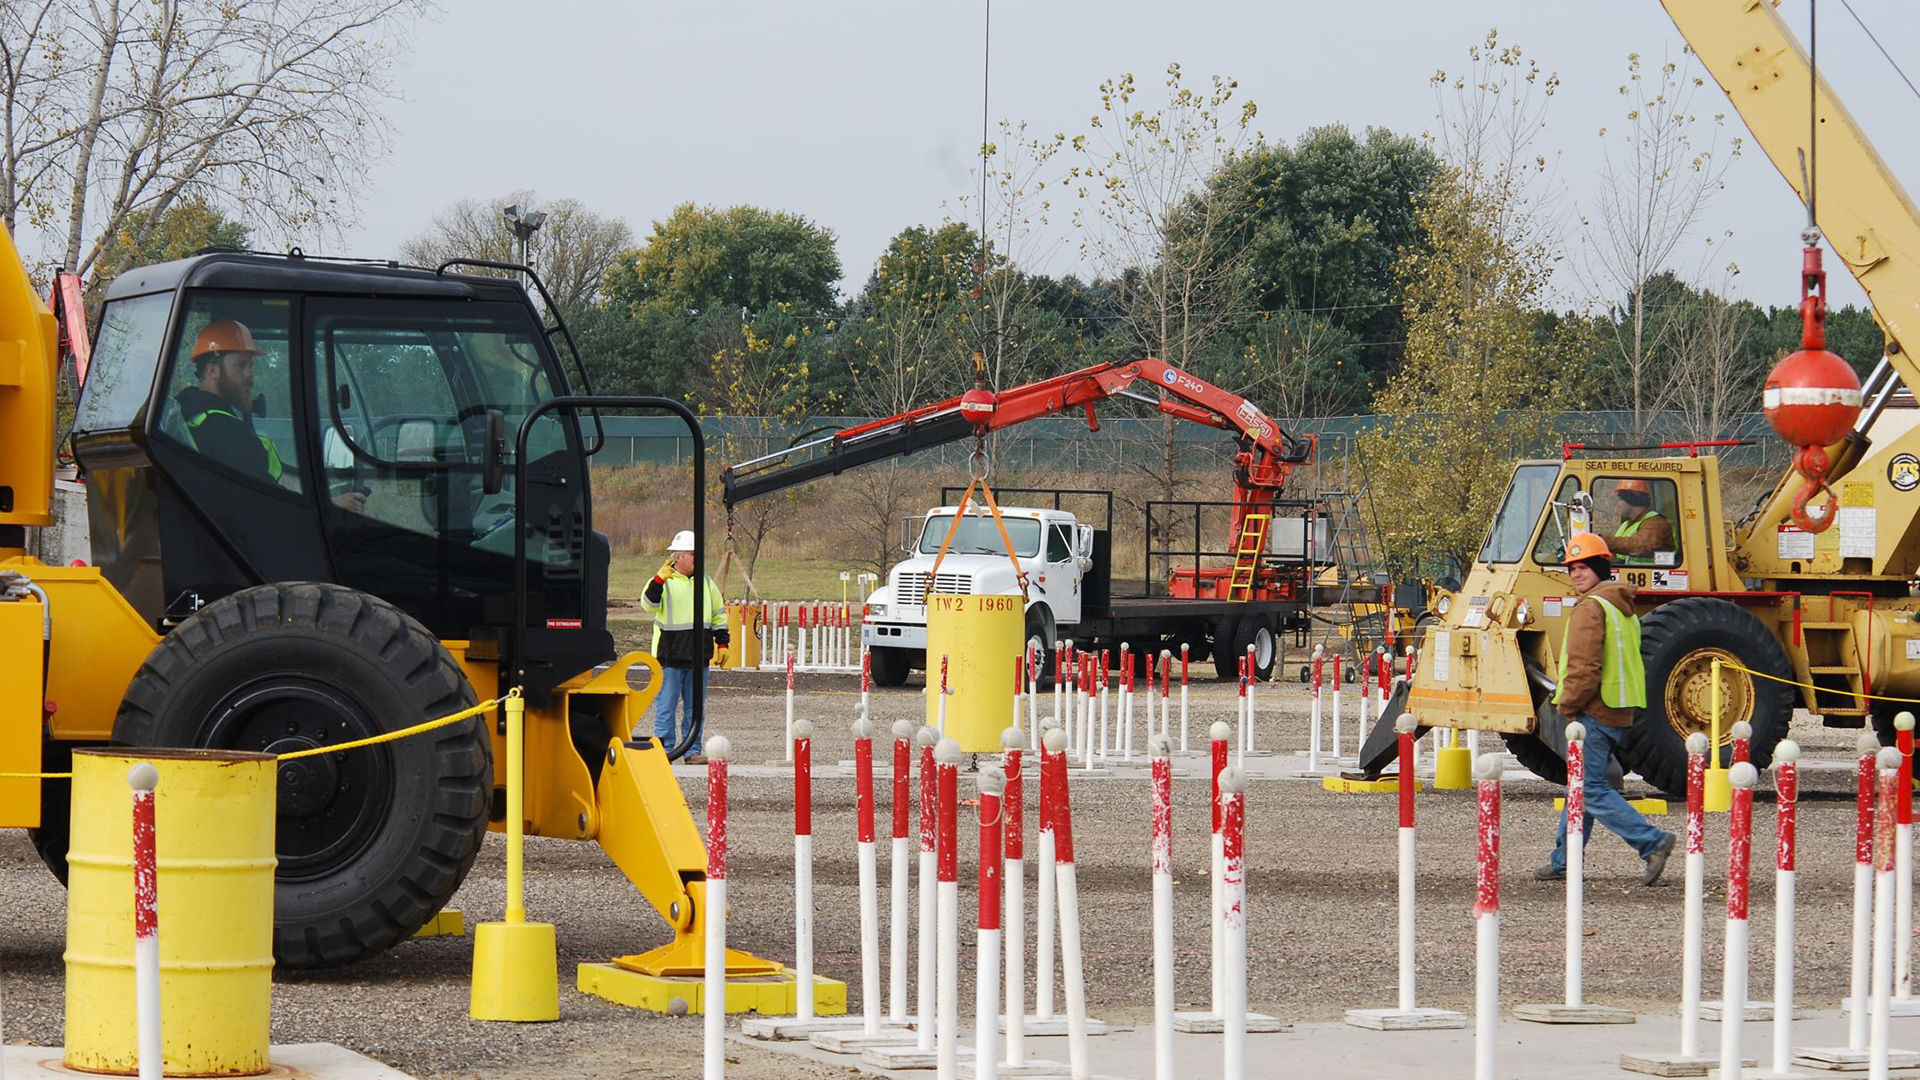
213 828
981 637
743 630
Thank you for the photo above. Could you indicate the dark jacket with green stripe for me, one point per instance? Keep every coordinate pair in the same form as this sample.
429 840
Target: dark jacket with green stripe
223 431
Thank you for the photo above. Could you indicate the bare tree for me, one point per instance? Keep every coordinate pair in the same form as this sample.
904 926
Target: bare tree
268 109
1661 172
1710 368
1016 242
1490 116
1159 226
572 251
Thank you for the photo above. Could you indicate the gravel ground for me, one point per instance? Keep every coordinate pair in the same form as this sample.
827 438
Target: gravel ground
1321 906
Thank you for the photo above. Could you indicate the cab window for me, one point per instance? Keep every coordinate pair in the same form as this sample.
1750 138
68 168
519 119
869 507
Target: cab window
1637 517
1059 545
1551 548
1519 513
229 391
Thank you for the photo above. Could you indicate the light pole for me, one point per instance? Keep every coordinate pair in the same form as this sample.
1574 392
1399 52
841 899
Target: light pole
524 224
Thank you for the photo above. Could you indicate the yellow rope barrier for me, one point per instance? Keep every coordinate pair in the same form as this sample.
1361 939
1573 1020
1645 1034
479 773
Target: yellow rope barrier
371 740
1734 666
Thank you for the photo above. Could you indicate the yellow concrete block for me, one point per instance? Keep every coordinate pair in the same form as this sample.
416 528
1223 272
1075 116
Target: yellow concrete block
447 922
1452 769
1386 785
1649 806
516 972
679 995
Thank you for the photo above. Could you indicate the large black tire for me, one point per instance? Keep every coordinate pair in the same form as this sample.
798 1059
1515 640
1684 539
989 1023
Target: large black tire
1042 635
371 842
1226 661
890 666
56 809
1678 641
1257 631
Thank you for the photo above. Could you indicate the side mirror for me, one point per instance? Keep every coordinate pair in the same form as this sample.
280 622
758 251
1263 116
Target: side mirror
494 453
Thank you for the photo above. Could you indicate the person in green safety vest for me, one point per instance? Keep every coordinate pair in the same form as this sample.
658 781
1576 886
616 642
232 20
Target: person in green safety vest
1643 530
218 411
685 650
1602 685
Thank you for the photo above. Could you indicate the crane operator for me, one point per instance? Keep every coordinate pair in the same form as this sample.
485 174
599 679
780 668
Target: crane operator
1643 530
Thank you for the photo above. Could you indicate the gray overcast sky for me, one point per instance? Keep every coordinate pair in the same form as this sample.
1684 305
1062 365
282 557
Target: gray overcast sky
865 116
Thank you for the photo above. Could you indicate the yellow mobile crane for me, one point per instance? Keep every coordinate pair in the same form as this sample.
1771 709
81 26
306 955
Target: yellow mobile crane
394 522
1827 609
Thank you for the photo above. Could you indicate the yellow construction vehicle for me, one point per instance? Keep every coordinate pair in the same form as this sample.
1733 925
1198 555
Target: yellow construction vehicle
1826 608
329 500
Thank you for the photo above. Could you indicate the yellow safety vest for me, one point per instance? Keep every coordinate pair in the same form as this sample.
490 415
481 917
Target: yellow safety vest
1623 678
676 607
274 468
1628 528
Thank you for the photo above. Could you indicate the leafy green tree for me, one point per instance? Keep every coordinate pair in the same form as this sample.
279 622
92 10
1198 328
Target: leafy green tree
909 335
703 260
184 228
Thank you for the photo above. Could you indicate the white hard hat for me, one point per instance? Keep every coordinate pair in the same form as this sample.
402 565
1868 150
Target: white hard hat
682 541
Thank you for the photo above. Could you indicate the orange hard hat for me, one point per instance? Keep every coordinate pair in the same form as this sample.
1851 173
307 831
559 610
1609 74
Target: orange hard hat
1640 486
224 336
1586 546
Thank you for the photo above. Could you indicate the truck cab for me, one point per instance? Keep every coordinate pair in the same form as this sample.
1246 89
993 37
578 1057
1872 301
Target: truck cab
1055 551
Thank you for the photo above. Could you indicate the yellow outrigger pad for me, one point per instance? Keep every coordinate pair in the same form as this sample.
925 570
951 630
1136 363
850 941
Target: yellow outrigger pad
677 995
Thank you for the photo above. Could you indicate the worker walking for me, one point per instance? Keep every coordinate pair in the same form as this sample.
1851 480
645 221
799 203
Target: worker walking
1602 684
684 650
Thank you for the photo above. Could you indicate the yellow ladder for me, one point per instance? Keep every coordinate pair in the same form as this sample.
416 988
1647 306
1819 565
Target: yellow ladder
1246 555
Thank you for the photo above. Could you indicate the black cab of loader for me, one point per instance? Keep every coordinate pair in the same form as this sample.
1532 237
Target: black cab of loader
380 397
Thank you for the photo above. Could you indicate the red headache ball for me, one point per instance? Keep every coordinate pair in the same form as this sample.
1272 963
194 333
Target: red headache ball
1812 398
977 404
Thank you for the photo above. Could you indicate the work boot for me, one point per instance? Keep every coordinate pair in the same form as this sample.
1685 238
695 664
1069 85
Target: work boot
1657 862
1549 873
694 759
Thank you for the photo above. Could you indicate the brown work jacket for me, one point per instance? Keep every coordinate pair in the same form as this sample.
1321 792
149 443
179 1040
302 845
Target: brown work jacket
1586 637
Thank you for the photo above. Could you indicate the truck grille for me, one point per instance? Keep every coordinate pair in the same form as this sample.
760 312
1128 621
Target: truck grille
910 588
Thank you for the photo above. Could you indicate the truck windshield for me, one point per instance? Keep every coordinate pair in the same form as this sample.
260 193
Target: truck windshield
979 536
1519 512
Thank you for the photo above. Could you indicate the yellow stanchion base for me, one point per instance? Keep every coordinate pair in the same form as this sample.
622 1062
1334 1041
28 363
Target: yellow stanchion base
1649 805
679 995
1452 769
1386 785
447 922
1717 793
516 972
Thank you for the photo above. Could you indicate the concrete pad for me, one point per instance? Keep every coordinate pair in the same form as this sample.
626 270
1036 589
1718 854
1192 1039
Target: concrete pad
1406 1019
1054 1025
787 1027
1764 1074
854 1041
1895 1007
318 1061
909 1056
1206 1023
1674 1064
1756 1010
1573 1014
1032 1067
1840 1059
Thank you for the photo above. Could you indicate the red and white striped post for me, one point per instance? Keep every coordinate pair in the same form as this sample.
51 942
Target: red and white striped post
1313 727
1693 933
1072 966
1903 862
1088 743
1576 857
897 885
1158 747
940 713
1861 980
869 855
926 739
1166 691
866 681
1014 843
1059 676
789 739
1105 743
1486 918
800 636
1033 694
986 946
1126 701
714 988
1019 686
947 758
1786 785
1733 986
1336 709
1246 729
1218 734
803 869
1183 697
1044 907
1385 667
142 778
1240 704
1878 1035
1233 917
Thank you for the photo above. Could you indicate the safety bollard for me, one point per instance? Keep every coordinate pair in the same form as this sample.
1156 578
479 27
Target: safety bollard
986 945
1240 707
1218 735
863 729
1059 674
1233 903
1067 895
143 778
803 869
1786 786
926 739
947 757
1409 1016
1102 663
1878 1034
1019 686
1161 862
1126 702
789 738
714 990
1384 664
1903 864
1044 907
515 962
1733 986
800 636
866 681
1033 691
1166 691
897 890
1486 918
1336 710
1014 847
1183 697
1719 796
1689 1061
1862 974
1313 724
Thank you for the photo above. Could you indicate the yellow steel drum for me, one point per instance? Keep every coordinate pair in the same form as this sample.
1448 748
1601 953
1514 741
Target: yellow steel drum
981 637
213 829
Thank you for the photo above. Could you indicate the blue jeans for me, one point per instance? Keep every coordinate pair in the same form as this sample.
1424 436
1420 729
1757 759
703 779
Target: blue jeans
1604 804
676 686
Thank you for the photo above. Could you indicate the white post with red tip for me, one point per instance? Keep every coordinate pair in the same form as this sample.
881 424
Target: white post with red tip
1313 726
1126 702
789 706
1072 967
947 758
803 869
897 884
1233 902
1044 909
1786 785
863 730
1166 692
1486 918
150 1054
1183 697
1689 1061
1336 710
714 989
1105 744
926 739
986 944
1903 866
1161 860
1013 837
1218 734
1246 731
940 712
866 680
1884 857
1033 695
1733 986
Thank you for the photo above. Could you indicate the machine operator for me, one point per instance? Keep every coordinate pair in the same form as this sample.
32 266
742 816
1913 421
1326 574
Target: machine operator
1643 530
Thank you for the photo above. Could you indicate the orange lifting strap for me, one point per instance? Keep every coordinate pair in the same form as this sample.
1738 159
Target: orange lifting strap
1005 540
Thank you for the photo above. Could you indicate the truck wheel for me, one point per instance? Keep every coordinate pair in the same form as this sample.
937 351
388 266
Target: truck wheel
890 666
1257 631
1678 644
1226 661
370 842
1041 635
56 810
